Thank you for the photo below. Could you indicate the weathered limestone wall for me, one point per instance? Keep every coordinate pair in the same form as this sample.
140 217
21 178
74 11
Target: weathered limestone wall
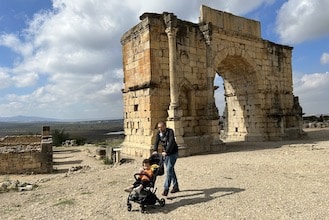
20 140
258 85
257 79
229 22
169 71
136 93
26 154
147 102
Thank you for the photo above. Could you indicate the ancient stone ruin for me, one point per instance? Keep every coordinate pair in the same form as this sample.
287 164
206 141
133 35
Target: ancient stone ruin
169 70
26 153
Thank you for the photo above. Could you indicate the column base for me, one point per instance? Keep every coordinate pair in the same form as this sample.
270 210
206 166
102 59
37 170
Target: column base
183 151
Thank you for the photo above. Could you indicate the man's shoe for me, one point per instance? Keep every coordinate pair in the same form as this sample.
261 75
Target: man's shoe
174 190
165 192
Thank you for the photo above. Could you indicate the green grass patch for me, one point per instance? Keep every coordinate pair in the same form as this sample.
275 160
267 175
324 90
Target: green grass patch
65 202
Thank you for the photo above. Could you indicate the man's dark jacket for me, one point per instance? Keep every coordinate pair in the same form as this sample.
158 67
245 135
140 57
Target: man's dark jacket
167 141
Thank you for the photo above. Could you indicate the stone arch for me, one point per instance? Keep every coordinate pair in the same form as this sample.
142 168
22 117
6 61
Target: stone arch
235 52
169 71
240 80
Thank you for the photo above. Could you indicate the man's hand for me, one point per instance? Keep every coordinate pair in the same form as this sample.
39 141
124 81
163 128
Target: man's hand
164 154
155 152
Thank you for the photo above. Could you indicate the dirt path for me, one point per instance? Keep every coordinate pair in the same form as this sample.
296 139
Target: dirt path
272 180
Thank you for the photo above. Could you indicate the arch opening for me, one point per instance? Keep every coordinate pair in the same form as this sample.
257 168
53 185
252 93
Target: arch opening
219 101
240 97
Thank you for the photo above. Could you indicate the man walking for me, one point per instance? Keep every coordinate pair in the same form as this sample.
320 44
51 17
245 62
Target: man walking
166 137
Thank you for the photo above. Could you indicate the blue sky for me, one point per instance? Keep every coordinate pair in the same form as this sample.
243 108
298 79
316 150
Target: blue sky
62 58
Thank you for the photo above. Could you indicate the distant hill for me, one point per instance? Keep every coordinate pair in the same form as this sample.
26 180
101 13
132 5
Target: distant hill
21 118
96 131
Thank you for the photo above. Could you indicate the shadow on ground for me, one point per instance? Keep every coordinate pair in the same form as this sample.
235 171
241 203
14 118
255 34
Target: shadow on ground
64 159
192 197
311 137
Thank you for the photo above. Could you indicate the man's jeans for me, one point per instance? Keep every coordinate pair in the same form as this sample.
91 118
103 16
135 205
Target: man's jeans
170 161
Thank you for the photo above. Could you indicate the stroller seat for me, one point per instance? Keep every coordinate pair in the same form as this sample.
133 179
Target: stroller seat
147 195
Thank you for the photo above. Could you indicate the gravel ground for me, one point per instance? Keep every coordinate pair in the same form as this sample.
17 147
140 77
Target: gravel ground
269 180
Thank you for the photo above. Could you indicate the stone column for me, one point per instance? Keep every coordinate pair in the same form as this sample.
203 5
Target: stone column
171 30
207 33
174 111
212 112
46 155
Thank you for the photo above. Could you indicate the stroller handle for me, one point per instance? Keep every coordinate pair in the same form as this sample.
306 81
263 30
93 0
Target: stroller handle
158 155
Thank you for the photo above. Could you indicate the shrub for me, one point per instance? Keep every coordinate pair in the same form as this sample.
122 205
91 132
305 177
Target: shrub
59 137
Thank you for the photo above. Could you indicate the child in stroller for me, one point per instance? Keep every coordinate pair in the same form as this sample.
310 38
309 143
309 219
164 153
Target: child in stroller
142 191
144 178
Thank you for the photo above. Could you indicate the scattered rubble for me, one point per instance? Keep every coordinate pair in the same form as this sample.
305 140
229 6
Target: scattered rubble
8 185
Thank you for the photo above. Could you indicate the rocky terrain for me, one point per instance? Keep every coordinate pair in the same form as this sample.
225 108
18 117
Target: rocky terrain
268 180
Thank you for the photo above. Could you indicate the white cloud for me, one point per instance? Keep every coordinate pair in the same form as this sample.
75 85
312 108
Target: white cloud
77 49
12 41
189 9
301 20
25 80
219 94
324 58
5 80
17 107
239 7
316 80
312 92
70 57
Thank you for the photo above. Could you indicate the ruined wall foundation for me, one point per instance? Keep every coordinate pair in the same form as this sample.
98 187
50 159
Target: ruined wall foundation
26 154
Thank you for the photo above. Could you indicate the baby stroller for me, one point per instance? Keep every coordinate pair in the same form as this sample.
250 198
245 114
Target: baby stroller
147 195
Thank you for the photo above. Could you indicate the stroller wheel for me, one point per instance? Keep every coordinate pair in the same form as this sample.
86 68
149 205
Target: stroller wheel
142 209
162 202
129 207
